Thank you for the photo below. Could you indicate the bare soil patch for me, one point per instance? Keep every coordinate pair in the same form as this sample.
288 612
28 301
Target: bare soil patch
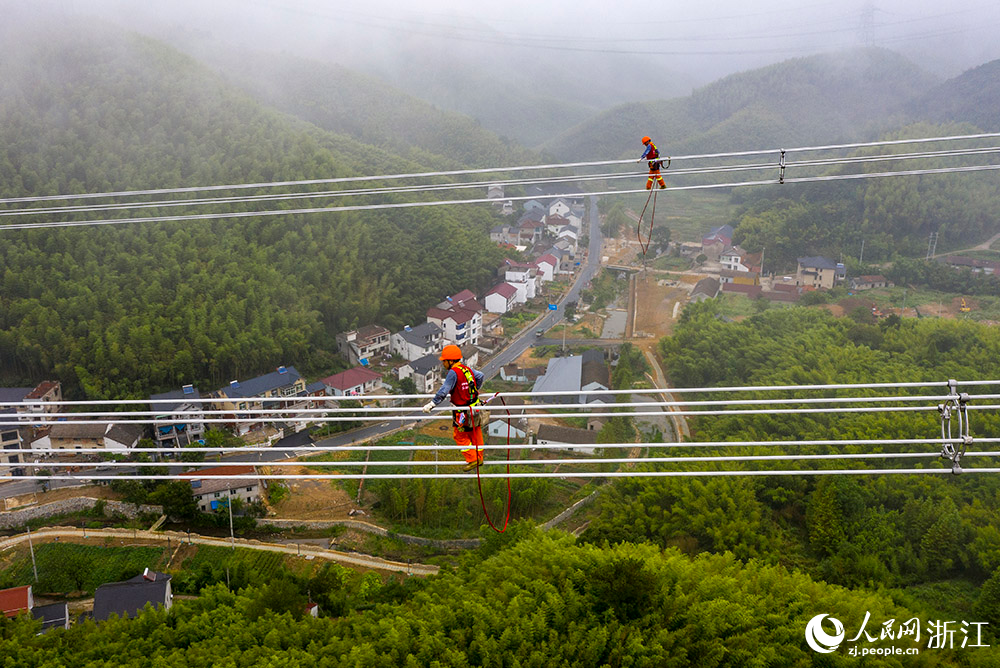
654 315
93 491
313 500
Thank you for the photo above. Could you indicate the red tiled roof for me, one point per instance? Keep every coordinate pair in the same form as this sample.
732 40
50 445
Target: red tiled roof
505 290
14 600
345 380
548 257
458 315
748 290
464 295
41 389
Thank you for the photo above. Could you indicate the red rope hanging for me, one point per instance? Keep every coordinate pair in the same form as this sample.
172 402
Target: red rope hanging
479 480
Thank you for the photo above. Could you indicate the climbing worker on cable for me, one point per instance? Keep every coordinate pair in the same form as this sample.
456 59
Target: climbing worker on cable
652 154
463 384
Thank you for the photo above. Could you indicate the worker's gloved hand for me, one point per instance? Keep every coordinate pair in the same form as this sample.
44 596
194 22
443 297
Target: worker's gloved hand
428 406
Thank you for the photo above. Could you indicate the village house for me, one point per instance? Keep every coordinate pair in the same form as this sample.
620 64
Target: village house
128 598
412 343
568 377
35 401
736 259
522 276
425 372
16 601
10 435
20 601
751 291
818 272
554 223
460 325
353 382
38 400
501 298
570 438
518 374
52 616
180 421
509 422
62 436
869 282
736 276
706 288
547 265
212 493
716 241
530 232
363 345
260 393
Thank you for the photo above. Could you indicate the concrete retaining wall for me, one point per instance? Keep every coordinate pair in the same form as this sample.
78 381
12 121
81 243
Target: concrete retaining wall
17 518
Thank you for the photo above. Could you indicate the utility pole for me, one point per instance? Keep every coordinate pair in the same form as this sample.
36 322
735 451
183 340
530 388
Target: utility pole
861 258
232 537
31 548
363 472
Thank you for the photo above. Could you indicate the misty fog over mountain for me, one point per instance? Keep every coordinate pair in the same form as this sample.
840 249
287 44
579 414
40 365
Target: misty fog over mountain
567 60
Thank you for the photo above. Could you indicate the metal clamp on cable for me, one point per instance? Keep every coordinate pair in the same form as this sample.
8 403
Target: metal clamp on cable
957 404
781 167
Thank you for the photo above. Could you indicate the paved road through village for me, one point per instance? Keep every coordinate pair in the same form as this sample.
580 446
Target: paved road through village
378 429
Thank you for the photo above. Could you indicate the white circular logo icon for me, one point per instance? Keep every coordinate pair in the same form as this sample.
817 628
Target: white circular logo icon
821 641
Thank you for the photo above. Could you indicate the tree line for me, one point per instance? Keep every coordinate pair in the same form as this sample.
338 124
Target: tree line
147 307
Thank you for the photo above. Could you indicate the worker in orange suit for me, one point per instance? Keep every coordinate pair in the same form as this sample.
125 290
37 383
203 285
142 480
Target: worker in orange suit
462 383
652 154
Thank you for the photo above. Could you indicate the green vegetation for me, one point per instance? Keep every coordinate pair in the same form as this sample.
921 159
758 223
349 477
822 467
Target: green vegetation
139 308
239 568
524 599
892 216
65 568
856 531
604 288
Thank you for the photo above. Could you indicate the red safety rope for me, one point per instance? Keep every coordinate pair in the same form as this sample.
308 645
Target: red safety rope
479 481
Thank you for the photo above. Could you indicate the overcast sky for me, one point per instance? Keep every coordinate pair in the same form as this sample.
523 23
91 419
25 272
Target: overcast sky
709 38
703 40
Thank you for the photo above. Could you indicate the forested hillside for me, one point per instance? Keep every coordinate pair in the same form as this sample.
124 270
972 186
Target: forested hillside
863 531
972 97
819 99
892 215
366 109
542 602
126 310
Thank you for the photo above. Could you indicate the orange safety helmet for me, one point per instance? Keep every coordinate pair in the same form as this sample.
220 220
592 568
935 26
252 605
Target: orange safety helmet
646 140
451 352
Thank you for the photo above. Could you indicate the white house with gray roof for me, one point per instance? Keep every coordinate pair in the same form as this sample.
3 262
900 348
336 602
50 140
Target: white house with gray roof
425 372
412 343
568 376
63 436
180 421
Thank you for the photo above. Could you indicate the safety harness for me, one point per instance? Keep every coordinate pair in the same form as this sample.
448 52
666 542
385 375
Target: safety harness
465 419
